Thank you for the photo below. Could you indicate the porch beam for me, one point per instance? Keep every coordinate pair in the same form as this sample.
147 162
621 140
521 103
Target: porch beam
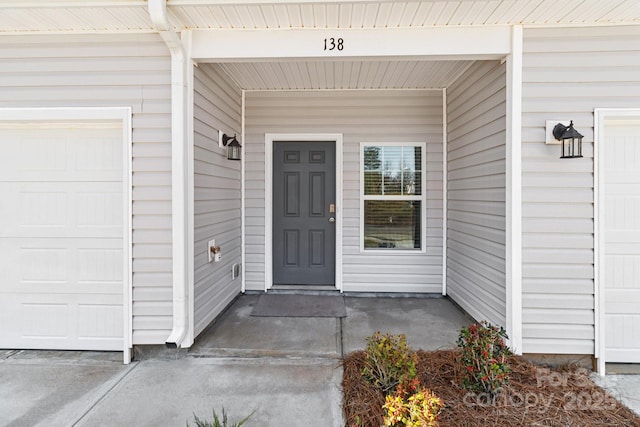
270 2
396 43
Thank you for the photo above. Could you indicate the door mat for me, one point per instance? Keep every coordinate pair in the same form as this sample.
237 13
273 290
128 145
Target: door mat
275 305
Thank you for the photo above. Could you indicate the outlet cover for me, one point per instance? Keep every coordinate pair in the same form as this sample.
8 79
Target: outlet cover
210 245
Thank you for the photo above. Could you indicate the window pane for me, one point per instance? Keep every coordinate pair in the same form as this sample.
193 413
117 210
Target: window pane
372 183
411 158
372 158
412 183
392 158
392 224
392 183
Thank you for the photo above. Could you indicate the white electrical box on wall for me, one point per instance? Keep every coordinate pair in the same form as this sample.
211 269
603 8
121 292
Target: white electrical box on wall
213 251
235 271
549 125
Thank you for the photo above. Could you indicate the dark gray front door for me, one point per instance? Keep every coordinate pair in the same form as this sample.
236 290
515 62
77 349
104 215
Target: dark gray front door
304 237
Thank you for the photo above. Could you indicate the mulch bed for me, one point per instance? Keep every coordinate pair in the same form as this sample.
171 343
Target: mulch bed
535 396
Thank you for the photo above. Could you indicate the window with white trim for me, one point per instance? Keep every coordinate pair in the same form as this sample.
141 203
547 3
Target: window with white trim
392 196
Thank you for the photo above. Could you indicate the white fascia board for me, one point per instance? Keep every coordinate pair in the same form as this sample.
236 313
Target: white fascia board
270 2
445 43
54 4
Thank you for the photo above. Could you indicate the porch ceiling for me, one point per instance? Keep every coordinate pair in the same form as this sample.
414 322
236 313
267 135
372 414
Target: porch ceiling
131 15
345 74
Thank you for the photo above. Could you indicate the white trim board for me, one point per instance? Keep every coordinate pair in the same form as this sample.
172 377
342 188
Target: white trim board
243 192
190 202
269 139
445 195
444 43
513 304
121 115
601 115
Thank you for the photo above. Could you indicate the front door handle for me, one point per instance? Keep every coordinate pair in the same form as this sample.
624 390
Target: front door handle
332 220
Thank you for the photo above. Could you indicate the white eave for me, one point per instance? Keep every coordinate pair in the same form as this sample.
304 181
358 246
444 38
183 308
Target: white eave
27 16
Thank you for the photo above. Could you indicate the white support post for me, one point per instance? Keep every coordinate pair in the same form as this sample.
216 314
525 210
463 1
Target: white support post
513 192
445 196
243 221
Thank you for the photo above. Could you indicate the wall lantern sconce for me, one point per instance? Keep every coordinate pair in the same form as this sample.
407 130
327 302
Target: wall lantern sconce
569 137
234 149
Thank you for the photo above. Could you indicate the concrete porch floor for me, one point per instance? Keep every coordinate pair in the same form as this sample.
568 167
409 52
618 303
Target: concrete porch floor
428 323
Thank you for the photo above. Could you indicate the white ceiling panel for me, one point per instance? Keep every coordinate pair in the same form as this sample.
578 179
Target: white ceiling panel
74 19
338 75
132 15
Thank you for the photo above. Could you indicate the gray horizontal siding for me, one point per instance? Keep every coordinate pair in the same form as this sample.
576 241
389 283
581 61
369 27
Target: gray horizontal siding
113 71
567 72
217 193
367 116
476 191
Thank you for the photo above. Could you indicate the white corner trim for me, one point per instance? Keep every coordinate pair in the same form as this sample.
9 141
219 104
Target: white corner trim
598 212
127 136
243 195
600 117
445 195
268 210
190 190
513 192
269 139
122 115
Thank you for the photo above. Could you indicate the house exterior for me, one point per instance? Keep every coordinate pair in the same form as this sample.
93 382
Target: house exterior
387 146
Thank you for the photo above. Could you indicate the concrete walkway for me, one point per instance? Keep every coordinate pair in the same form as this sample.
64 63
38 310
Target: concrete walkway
284 370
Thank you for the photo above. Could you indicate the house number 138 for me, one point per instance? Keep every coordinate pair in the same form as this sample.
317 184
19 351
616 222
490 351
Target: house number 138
333 44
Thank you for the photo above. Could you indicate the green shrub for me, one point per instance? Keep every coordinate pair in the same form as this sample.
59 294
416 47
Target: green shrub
412 406
216 421
389 361
484 357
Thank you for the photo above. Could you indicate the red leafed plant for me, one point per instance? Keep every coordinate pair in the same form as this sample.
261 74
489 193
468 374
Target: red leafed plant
484 357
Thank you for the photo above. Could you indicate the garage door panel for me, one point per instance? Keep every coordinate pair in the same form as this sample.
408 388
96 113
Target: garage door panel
621 272
62 236
63 266
621 242
61 154
61 322
82 210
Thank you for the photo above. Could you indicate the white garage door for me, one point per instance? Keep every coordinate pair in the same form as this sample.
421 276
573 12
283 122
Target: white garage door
61 236
622 240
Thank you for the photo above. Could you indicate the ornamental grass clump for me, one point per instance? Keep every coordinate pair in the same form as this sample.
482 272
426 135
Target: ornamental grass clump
389 361
412 406
217 422
484 357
